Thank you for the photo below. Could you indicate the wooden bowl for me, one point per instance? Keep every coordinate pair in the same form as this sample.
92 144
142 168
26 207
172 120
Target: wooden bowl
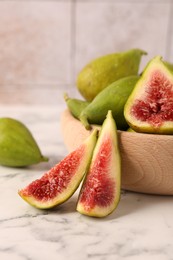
147 159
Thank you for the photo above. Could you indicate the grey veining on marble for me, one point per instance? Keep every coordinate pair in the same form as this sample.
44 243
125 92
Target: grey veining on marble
140 228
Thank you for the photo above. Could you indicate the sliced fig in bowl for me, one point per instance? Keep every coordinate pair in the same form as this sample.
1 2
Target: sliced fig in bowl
62 180
149 108
100 192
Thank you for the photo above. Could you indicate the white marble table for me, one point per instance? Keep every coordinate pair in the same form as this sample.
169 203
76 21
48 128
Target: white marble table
140 229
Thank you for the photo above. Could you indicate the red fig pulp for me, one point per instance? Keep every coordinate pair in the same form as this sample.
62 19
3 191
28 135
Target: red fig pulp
150 105
100 191
61 181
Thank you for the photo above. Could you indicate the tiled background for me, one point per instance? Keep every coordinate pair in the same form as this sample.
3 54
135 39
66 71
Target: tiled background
45 43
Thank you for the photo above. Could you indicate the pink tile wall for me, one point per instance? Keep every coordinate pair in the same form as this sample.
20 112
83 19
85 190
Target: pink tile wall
34 48
45 43
105 27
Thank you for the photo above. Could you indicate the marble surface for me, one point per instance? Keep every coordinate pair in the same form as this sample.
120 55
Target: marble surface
140 228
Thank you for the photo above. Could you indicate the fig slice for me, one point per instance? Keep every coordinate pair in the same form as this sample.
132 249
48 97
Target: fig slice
62 180
100 192
149 108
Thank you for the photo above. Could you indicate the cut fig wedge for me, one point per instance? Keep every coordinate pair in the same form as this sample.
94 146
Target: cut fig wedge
149 108
61 181
100 192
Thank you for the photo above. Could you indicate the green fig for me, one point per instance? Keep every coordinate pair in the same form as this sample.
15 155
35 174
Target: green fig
17 145
100 192
111 98
76 106
130 130
169 65
149 108
101 72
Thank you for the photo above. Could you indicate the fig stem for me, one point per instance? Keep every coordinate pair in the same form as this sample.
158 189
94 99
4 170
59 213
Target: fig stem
66 97
84 121
44 159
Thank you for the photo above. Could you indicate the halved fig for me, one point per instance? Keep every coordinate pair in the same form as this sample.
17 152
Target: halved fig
61 181
100 192
149 108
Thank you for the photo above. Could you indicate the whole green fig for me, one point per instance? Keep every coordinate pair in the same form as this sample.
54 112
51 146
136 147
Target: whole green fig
17 145
76 106
111 98
101 72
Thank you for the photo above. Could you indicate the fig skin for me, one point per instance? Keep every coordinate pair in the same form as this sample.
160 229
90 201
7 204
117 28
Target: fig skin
140 94
100 192
101 72
76 106
169 65
111 98
130 130
18 147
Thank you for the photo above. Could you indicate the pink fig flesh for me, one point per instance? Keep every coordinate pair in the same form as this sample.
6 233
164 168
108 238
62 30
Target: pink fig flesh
157 107
149 108
100 191
61 181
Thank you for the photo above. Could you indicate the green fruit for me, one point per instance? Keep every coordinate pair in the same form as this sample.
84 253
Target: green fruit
17 145
111 98
130 130
76 106
61 181
169 65
102 71
100 192
149 108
